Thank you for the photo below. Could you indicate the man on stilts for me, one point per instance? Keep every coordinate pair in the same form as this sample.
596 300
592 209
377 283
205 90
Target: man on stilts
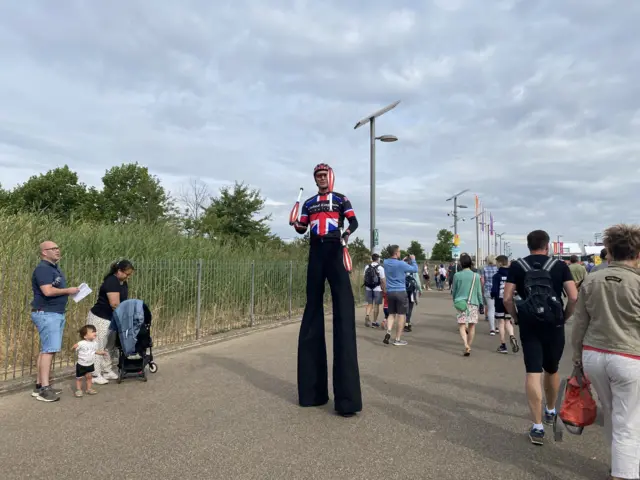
325 213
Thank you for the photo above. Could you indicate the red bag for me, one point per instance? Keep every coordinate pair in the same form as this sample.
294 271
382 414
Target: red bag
578 409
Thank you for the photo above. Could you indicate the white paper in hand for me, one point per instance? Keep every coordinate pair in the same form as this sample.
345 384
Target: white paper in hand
84 291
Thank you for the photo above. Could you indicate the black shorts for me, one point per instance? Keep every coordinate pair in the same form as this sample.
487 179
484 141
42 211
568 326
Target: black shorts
398 303
500 311
82 371
542 346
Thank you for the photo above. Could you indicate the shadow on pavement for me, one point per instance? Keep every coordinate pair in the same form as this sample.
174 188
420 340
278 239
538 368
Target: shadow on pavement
501 395
259 379
485 438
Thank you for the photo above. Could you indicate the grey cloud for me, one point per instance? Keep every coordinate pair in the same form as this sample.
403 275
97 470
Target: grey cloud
495 96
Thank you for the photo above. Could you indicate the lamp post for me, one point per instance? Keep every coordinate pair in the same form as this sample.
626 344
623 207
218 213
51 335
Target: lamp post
507 249
455 209
371 120
496 242
478 253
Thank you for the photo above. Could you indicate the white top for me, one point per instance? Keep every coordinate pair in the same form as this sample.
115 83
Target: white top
443 271
380 274
86 352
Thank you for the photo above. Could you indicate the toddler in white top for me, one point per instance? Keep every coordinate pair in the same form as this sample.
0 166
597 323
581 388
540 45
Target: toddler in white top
87 351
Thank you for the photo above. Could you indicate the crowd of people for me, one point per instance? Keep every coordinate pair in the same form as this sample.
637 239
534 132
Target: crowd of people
539 294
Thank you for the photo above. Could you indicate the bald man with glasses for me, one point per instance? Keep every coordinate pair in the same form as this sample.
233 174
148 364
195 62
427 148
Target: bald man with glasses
50 295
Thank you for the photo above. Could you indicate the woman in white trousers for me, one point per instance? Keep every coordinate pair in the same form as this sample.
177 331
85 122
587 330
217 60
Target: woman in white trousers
606 343
113 291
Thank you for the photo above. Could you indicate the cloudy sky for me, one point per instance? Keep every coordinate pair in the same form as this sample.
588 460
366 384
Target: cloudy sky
534 106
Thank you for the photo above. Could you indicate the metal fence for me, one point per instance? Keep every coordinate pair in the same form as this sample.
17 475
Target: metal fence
189 299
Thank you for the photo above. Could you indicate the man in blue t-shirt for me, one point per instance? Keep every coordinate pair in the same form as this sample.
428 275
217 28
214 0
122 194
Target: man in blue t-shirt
50 294
396 272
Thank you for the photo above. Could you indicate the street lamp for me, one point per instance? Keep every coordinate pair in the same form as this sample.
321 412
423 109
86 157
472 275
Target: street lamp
507 249
496 241
371 120
455 209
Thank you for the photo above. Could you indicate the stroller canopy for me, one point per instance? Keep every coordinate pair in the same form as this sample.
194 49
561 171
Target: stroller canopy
127 320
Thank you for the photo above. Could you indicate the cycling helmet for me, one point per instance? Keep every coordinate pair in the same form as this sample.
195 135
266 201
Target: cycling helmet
320 168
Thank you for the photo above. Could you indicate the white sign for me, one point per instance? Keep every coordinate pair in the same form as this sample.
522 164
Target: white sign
84 291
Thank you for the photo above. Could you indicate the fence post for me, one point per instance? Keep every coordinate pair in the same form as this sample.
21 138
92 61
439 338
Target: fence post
253 289
198 297
290 287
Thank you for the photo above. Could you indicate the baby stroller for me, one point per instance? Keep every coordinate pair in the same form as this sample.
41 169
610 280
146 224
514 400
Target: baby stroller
132 321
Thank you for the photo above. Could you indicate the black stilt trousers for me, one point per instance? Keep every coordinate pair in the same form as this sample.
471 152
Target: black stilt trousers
325 261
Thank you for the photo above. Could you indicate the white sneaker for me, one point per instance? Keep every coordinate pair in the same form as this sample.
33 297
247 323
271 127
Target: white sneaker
110 376
100 380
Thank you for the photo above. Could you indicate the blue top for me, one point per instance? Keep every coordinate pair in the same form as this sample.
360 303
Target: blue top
395 272
48 274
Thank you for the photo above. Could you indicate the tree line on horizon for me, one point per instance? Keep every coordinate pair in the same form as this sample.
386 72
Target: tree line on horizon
130 194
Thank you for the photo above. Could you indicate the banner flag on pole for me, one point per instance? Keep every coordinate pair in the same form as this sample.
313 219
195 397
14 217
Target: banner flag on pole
477 205
491 225
482 223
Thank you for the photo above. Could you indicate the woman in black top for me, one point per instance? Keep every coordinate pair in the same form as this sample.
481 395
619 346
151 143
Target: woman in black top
113 291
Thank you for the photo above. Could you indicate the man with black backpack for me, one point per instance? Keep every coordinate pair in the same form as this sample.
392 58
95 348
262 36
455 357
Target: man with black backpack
539 281
374 286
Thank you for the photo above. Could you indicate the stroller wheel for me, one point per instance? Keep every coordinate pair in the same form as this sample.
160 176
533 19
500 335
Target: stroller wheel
153 368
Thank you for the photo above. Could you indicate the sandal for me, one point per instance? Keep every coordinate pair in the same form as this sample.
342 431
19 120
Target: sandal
79 393
91 391
467 351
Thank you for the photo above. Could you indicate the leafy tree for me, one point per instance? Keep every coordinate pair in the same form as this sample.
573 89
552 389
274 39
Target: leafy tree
5 197
444 243
416 249
360 254
236 213
132 194
56 192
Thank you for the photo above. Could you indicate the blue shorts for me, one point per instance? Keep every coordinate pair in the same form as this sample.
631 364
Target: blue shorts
373 296
50 328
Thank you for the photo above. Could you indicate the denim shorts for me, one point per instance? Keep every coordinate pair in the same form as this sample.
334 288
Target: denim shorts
50 328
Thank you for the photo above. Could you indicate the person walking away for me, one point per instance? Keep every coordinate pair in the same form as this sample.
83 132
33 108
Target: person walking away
385 309
413 290
113 291
603 261
374 282
540 281
425 275
443 277
325 214
488 272
466 289
606 343
578 272
50 295
86 350
396 271
450 274
502 317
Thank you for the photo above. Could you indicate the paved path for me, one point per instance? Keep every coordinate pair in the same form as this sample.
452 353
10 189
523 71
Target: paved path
228 411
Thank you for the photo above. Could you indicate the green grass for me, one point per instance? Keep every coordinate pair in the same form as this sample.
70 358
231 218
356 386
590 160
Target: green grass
239 286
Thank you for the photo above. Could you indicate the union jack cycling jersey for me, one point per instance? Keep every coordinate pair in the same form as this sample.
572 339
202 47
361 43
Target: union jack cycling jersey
325 223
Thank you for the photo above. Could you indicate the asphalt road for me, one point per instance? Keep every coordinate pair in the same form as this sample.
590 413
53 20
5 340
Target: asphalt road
229 411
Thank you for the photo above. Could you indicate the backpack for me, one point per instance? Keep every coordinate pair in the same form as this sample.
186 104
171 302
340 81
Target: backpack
540 300
371 277
410 284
